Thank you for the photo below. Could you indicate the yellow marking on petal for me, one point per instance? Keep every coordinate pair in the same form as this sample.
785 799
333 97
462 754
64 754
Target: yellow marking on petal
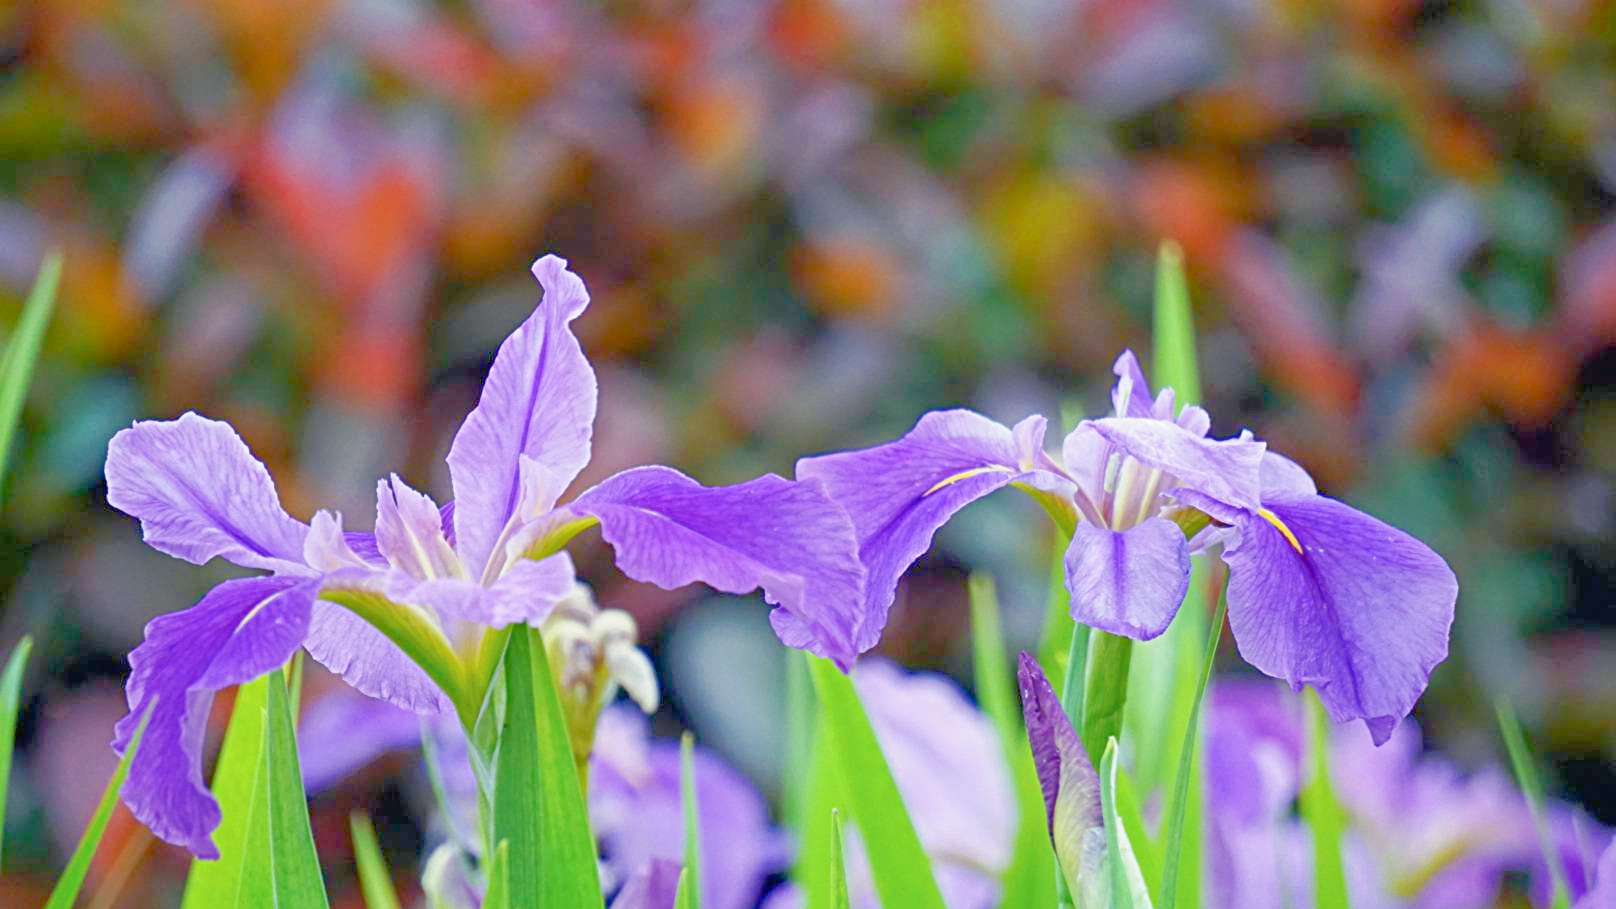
966 475
1273 519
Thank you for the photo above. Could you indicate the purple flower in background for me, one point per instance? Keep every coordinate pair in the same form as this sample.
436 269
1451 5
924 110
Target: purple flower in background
490 559
1319 594
948 761
635 800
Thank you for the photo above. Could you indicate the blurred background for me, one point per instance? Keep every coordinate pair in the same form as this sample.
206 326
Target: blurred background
804 222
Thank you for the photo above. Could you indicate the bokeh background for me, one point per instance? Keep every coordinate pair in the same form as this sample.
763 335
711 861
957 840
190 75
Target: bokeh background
804 222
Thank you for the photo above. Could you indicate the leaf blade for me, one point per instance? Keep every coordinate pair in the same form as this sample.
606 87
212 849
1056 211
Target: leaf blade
538 801
10 702
295 865
22 351
375 878
66 891
901 868
235 780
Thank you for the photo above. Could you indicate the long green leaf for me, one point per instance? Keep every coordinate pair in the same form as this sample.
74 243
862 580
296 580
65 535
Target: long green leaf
1181 875
1323 814
294 864
66 891
499 878
1029 880
375 879
1520 758
10 701
822 798
899 864
1128 889
22 349
235 778
838 863
690 896
538 801
1175 363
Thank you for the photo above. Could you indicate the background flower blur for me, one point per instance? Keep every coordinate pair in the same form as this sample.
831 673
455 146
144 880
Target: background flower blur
804 222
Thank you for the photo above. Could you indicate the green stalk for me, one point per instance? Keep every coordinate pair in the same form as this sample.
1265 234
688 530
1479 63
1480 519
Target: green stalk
1105 689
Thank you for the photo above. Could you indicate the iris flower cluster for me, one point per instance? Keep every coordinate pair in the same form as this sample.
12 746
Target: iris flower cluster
1319 594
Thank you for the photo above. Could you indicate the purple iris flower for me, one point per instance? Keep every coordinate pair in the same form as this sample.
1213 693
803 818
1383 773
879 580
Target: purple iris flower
1070 784
1421 834
490 559
1320 594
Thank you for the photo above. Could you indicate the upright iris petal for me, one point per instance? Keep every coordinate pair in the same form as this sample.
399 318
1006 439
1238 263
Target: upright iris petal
430 575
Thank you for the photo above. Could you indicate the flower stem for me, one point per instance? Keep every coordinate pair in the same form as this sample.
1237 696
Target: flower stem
1105 689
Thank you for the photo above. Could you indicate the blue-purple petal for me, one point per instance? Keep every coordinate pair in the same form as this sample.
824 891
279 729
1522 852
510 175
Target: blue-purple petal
527 592
899 494
788 538
240 630
1128 582
343 731
1227 470
538 402
1361 612
353 648
654 886
200 494
1071 787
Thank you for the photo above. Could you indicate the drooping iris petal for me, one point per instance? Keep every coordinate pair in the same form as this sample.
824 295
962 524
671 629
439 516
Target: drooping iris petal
654 886
788 538
1128 582
354 649
1227 469
526 592
1361 612
199 493
539 401
239 631
409 531
900 493
1283 478
1071 787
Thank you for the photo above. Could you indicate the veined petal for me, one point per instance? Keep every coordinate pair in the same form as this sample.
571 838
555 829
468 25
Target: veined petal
1130 397
353 648
1283 478
1071 787
1356 607
240 630
1603 893
539 401
329 548
1128 582
1227 470
900 493
788 538
409 532
527 592
199 493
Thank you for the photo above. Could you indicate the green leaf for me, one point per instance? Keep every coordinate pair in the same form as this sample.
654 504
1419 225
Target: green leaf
538 801
1520 758
10 699
1029 880
799 740
235 780
1055 642
1128 890
294 864
1181 876
838 864
1175 362
22 349
1323 814
375 879
499 878
66 891
822 798
690 897
899 864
